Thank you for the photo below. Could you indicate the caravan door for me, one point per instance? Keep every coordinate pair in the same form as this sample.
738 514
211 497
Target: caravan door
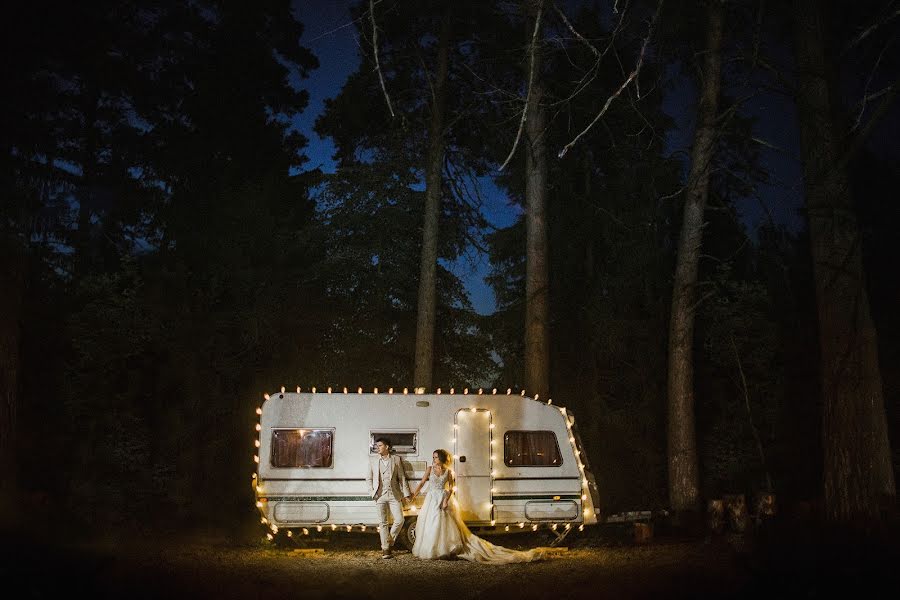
473 464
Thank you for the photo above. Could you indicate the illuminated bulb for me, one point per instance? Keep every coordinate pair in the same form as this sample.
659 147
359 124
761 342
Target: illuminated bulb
480 391
253 476
550 401
269 536
523 393
581 527
390 390
256 443
259 489
452 390
259 504
534 527
521 525
263 520
274 529
494 391
491 425
266 396
258 410
493 457
466 391
298 389
405 390
305 531
318 528
333 526
584 496
282 389
314 390
290 533
345 390
568 527
359 390
572 440
258 427
378 529
362 527
439 390
256 459
506 528
375 390
474 409
536 396
349 527
329 389
553 527
508 391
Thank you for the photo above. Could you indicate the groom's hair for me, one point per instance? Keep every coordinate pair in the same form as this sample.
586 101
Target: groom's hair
384 441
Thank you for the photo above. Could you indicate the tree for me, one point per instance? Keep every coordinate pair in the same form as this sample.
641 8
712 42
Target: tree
858 474
682 449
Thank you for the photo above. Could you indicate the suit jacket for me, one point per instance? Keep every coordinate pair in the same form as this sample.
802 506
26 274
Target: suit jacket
399 486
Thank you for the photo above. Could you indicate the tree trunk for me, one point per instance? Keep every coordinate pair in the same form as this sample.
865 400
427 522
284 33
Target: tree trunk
12 284
684 485
427 304
537 290
858 474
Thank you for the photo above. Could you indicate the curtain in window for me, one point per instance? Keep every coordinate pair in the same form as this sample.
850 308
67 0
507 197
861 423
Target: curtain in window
531 449
302 448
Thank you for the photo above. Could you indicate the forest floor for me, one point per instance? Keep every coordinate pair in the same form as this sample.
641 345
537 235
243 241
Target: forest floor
599 564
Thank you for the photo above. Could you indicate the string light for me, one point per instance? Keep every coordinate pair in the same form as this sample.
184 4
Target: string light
259 410
266 396
452 391
305 531
298 389
390 390
318 528
314 390
329 389
375 390
282 389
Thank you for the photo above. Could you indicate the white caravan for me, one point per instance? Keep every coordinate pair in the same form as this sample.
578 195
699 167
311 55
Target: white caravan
519 461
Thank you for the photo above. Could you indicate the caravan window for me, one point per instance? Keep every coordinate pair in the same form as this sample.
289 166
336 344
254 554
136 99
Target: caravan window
402 441
531 449
302 448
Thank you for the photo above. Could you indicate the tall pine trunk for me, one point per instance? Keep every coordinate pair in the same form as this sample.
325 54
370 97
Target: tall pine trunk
858 474
537 280
427 305
684 480
12 293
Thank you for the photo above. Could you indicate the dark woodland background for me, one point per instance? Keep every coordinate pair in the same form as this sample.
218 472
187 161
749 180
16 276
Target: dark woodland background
168 256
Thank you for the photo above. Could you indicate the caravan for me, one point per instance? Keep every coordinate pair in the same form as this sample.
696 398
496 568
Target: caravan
519 461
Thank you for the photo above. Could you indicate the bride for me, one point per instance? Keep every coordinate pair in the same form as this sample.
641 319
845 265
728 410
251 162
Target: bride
440 531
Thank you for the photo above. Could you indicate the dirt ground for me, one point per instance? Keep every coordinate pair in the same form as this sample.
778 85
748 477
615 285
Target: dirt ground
350 566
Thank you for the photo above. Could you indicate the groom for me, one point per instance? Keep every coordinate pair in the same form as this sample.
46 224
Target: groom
387 484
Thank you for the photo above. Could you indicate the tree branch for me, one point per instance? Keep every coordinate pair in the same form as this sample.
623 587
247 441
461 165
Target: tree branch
375 52
631 77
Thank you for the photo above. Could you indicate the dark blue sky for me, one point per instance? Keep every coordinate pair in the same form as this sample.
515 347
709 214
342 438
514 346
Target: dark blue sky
331 35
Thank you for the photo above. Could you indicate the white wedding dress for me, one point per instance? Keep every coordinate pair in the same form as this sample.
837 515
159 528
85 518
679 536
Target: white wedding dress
443 534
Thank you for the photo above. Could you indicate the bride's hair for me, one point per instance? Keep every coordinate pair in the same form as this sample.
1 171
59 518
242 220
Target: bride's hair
443 456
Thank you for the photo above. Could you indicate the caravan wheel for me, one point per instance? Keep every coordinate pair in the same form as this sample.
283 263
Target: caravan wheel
407 536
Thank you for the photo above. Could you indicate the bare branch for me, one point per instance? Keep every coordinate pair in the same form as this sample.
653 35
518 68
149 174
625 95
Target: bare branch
375 52
534 35
868 31
866 97
631 77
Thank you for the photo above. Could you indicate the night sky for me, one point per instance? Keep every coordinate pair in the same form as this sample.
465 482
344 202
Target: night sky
331 35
